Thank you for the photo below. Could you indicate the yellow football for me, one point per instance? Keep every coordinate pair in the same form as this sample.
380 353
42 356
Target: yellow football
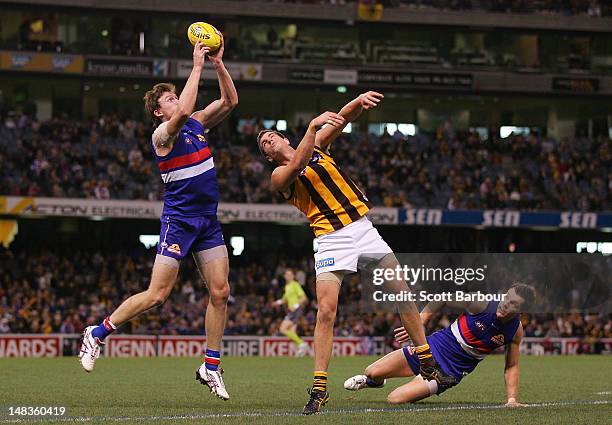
205 33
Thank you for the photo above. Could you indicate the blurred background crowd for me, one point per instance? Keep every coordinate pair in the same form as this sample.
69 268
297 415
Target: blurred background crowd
109 158
46 292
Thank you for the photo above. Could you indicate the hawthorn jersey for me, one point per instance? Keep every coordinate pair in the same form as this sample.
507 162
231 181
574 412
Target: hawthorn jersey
327 196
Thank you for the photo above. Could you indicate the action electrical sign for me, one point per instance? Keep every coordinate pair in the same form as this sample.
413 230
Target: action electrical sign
284 213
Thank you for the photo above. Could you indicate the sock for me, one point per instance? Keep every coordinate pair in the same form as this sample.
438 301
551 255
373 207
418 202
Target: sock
373 384
104 329
212 359
320 381
424 353
294 337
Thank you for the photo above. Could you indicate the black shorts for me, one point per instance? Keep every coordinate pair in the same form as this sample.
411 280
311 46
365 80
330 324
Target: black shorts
294 316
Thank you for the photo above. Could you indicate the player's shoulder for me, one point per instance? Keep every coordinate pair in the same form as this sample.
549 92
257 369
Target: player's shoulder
194 124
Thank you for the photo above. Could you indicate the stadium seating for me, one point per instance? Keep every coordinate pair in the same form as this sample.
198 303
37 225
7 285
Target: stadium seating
44 291
110 159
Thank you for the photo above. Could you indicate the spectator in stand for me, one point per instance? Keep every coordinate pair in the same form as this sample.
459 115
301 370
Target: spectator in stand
450 169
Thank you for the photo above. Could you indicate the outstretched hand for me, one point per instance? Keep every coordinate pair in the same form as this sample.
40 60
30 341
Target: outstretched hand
200 50
401 335
330 118
217 56
370 99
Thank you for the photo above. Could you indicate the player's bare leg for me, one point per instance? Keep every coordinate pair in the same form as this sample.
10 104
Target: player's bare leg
392 365
411 320
163 276
413 391
327 300
162 281
214 268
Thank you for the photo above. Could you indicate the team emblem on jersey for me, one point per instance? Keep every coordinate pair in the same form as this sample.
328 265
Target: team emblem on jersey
201 138
315 158
498 339
175 248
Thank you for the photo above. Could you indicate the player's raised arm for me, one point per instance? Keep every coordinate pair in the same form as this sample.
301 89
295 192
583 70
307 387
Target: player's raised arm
219 109
284 175
511 369
187 99
349 112
165 134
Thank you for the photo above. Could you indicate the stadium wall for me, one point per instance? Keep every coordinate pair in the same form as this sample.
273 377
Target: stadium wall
57 345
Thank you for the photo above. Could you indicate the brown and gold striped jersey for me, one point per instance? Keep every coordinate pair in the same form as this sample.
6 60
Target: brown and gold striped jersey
327 196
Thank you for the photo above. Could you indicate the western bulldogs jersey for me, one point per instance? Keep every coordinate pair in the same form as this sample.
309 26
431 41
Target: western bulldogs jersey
461 346
189 175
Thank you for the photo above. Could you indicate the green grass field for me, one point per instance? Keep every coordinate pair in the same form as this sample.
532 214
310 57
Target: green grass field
564 390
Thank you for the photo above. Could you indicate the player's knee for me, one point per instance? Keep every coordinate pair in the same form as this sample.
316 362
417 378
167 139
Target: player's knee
371 372
326 313
157 298
219 295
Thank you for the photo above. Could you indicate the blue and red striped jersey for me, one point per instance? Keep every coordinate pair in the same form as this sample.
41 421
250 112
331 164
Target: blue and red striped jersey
483 333
189 175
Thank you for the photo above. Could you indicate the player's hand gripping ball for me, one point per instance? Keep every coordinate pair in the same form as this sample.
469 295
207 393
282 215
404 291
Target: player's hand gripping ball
204 33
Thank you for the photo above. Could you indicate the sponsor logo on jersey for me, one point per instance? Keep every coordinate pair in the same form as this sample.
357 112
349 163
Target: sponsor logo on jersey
175 248
326 262
498 339
480 325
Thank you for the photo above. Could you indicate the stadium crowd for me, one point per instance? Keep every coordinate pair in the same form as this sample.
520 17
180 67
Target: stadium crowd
109 158
48 292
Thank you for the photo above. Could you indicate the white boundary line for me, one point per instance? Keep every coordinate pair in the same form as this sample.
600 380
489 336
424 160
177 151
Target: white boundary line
298 414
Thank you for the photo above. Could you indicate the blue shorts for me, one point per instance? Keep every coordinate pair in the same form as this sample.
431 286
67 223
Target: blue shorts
181 235
447 352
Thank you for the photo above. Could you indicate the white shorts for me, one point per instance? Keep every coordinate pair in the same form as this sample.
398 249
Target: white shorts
344 249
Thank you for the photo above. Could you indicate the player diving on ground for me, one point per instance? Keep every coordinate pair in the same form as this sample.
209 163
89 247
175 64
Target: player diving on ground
482 328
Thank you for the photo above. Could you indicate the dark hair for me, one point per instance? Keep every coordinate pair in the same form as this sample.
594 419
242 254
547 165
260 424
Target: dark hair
151 99
526 292
260 134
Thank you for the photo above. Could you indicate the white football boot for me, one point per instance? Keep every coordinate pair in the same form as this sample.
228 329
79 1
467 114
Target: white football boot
90 349
213 380
302 350
359 382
